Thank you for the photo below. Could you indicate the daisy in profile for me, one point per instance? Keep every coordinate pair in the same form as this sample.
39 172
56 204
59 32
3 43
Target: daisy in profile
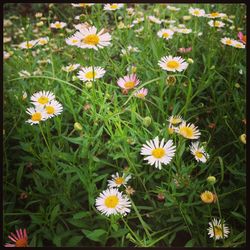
129 49
54 108
73 40
217 229
118 181
215 15
38 114
188 131
227 41
113 6
165 33
111 201
28 44
90 73
198 152
20 239
128 82
238 45
81 5
157 153
58 25
141 93
42 98
154 19
42 40
172 8
184 30
90 39
173 64
215 23
175 120
138 20
71 67
196 12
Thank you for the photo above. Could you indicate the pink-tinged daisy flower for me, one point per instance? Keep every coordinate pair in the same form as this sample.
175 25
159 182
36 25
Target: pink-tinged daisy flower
43 40
188 131
217 24
54 108
113 6
90 39
81 5
141 93
73 40
118 180
171 63
87 74
165 33
215 15
154 19
58 25
28 44
128 82
20 239
196 12
243 38
185 50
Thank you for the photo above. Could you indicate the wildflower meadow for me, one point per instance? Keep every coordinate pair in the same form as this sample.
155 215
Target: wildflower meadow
124 125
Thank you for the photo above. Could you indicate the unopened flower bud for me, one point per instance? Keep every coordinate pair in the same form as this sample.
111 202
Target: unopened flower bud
147 121
89 85
77 126
243 138
211 180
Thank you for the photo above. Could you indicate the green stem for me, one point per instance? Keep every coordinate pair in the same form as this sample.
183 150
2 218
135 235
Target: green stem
45 139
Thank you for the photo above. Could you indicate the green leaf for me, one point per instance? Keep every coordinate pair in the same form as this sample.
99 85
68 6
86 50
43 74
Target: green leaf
76 140
19 175
81 215
96 235
54 213
74 241
44 173
190 243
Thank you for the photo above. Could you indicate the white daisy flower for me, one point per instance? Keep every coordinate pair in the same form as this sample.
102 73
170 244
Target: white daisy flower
228 41
28 44
42 98
90 39
138 20
118 181
184 30
129 49
215 23
215 15
196 12
154 19
165 33
71 67
38 114
42 40
111 201
171 63
239 45
188 131
158 153
58 25
81 5
73 40
113 6
173 8
90 73
53 108
199 152
218 230
24 73
141 93
128 82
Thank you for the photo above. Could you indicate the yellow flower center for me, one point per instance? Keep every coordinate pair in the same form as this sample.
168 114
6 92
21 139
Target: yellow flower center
129 85
58 25
23 242
198 154
82 5
29 45
140 95
42 42
71 67
186 132
238 45
90 75
165 35
158 152
36 117
170 131
111 201
119 180
215 14
50 110
91 39
196 12
218 231
217 23
113 6
173 64
43 99
228 42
